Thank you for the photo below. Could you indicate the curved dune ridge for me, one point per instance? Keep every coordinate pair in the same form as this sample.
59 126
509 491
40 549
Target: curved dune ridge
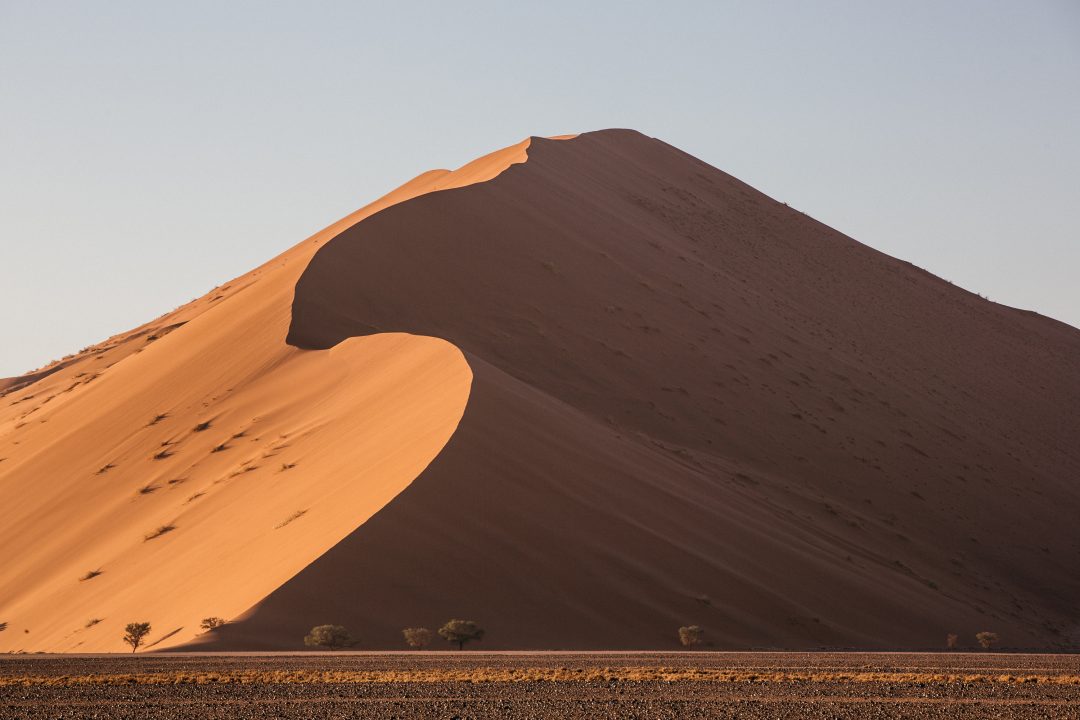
241 458
590 391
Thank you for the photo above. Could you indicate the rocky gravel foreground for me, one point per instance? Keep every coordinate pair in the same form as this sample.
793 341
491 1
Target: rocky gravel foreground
553 685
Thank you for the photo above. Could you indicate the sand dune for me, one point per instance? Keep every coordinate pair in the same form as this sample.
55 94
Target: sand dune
588 391
260 456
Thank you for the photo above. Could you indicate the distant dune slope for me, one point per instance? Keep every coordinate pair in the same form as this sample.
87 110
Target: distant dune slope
676 401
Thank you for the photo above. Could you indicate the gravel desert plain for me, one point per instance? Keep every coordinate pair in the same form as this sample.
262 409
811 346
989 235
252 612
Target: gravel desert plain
585 685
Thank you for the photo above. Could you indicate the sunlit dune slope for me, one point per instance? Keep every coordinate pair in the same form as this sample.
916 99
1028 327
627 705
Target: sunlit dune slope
255 457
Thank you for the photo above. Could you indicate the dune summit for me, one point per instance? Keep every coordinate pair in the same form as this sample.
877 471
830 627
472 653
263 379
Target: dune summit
584 390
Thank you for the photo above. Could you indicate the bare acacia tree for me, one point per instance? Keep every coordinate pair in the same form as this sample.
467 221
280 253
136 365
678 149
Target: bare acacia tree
135 633
461 632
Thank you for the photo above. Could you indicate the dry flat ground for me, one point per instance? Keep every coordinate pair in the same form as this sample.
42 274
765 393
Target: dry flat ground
551 685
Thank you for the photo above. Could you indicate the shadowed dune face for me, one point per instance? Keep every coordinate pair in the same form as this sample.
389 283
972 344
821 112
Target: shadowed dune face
694 404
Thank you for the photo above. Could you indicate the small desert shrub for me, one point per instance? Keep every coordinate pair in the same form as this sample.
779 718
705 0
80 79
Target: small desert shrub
220 447
460 632
331 637
417 637
159 532
92 622
211 623
202 426
691 636
162 454
987 639
3 626
952 640
90 575
146 489
158 418
135 633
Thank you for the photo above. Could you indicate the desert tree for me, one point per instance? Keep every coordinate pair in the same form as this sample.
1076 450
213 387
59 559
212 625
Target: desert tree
691 636
211 623
135 633
417 637
951 641
460 632
331 637
987 639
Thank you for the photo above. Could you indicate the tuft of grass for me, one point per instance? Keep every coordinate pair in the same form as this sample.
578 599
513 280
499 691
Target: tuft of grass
243 469
162 454
146 489
159 532
196 496
295 516
177 481
104 469
287 466
157 418
201 426
91 574
220 448
92 622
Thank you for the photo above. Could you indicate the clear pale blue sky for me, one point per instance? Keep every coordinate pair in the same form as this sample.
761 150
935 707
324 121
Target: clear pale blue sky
149 150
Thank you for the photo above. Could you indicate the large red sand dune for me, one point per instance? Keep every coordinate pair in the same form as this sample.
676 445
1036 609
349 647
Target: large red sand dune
583 391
